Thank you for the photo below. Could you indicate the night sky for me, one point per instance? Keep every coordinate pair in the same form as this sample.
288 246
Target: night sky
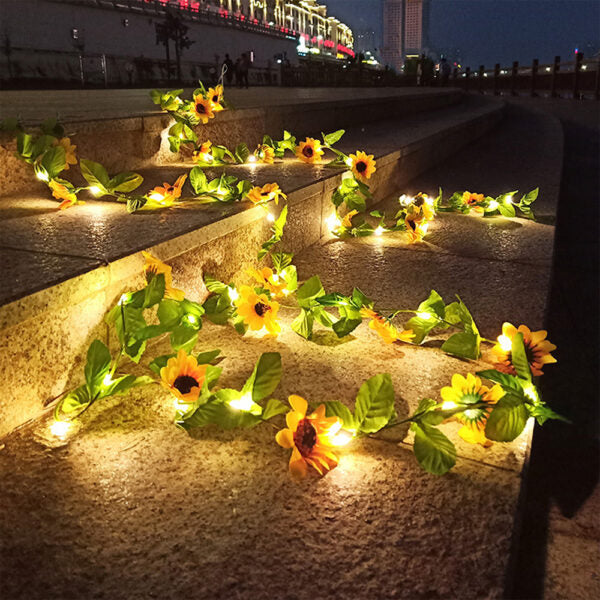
490 31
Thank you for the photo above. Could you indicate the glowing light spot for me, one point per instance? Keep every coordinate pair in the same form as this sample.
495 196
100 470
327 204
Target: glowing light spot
60 428
333 222
124 299
207 157
493 205
285 292
531 392
348 161
505 343
156 196
449 405
341 437
275 277
379 230
429 200
252 158
181 406
424 227
181 136
95 190
245 403
405 200
191 319
107 380
233 294
270 217
424 315
42 176
509 199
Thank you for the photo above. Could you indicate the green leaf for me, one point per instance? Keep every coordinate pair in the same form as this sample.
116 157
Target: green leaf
54 161
337 409
530 197
509 383
507 419
212 375
433 450
125 182
198 180
43 143
241 153
207 357
463 345
125 383
214 285
95 174
519 357
374 403
148 332
218 309
73 402
24 144
128 319
303 324
309 290
542 413
422 325
359 299
155 290
221 414
346 325
273 408
332 138
184 337
159 362
97 366
506 210
265 377
169 312
136 203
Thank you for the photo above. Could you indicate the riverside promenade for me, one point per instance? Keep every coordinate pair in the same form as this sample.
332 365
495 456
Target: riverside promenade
131 507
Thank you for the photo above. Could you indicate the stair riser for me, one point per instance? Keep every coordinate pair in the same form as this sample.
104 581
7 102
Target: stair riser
138 142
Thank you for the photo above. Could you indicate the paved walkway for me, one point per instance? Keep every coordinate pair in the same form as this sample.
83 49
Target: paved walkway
32 106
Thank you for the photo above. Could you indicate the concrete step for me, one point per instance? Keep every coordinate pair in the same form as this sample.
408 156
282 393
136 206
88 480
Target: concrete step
101 131
68 267
375 527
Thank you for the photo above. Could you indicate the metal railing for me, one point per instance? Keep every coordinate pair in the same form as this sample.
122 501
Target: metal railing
578 78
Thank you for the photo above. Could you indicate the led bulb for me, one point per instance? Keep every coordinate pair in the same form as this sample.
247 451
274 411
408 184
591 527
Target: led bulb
509 199
42 176
333 222
505 343
191 319
424 315
95 190
107 380
233 294
244 403
275 277
379 230
270 217
252 158
156 196
124 299
60 428
493 205
348 161
531 392
449 405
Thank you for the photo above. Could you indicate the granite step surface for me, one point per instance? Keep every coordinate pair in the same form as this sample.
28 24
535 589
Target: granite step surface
133 507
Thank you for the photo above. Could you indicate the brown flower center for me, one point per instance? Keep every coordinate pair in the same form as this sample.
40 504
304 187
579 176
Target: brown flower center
305 437
419 201
200 108
260 308
412 224
361 166
307 151
215 99
184 383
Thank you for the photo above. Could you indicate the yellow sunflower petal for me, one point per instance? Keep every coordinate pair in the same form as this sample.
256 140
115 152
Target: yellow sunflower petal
285 438
298 403
292 419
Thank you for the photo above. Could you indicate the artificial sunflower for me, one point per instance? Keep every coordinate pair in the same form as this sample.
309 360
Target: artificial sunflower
269 280
154 267
384 329
310 437
362 165
167 193
537 349
416 224
183 377
422 202
203 108
269 191
215 95
70 157
474 201
203 154
347 220
266 154
469 390
62 192
309 151
257 310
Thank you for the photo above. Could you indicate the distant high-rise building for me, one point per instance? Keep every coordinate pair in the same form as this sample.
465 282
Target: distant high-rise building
405 25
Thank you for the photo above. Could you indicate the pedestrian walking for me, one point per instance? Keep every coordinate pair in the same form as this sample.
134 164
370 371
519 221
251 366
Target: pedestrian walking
229 69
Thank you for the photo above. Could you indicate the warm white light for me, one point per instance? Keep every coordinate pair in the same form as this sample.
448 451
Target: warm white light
233 294
191 319
449 405
42 176
584 67
505 343
424 315
493 205
181 406
60 428
429 200
333 222
156 196
244 403
270 217
509 199
107 380
124 299
285 291
424 227
405 200
547 69
530 392
342 438
348 161
181 136
252 158
379 230
275 277
206 157
95 190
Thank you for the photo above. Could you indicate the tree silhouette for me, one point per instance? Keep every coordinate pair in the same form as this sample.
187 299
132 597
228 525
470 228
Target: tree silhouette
173 28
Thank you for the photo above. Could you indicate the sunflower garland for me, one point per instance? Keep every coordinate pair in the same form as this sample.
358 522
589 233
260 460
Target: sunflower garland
258 311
